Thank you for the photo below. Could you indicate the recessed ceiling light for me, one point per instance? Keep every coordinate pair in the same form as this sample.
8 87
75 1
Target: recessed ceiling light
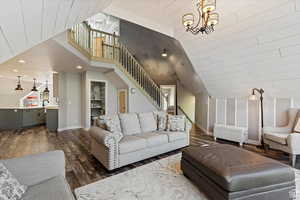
15 70
164 53
55 72
22 61
79 67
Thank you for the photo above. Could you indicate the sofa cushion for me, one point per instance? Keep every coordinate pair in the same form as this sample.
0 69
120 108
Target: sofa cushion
173 136
130 124
147 122
176 123
10 187
131 143
280 138
55 188
154 138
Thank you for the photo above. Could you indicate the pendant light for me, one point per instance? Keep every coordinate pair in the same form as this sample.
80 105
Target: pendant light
34 89
46 93
19 87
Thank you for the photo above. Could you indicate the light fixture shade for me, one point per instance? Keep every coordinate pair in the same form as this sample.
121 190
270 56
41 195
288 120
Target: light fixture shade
213 19
19 87
188 19
208 5
164 53
253 97
34 89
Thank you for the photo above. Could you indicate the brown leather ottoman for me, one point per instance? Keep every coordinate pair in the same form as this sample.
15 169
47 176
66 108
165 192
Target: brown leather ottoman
225 172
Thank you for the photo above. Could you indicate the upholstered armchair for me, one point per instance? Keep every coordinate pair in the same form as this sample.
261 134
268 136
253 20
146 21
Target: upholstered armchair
283 138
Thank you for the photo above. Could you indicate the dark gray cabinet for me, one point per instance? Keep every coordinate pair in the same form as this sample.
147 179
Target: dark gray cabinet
11 118
52 119
33 117
21 118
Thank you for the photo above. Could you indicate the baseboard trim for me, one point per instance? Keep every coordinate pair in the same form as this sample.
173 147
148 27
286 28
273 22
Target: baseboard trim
69 128
254 142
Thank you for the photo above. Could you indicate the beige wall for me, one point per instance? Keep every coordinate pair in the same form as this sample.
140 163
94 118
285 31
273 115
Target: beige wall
186 100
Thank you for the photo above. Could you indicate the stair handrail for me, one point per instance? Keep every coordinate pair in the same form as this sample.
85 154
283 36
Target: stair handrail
88 46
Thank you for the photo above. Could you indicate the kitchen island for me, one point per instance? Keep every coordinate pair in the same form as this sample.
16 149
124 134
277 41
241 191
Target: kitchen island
25 117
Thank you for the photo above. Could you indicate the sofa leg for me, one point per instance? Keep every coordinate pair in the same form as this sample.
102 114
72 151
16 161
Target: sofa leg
293 159
241 144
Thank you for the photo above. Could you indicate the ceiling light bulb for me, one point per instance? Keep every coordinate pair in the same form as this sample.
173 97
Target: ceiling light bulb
164 53
188 19
22 61
213 19
208 5
79 67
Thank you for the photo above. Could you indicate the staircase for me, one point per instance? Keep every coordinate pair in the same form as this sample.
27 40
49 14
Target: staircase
106 47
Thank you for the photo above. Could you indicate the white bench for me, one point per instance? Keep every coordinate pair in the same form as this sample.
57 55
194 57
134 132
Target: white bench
231 133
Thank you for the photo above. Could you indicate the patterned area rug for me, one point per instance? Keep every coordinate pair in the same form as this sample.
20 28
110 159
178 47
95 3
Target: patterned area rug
160 179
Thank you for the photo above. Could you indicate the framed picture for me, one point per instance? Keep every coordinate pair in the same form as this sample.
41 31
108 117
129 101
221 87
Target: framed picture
297 127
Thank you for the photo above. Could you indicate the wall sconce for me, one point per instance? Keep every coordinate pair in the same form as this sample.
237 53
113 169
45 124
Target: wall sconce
132 90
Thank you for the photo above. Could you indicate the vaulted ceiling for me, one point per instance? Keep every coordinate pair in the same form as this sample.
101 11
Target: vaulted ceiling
256 44
25 23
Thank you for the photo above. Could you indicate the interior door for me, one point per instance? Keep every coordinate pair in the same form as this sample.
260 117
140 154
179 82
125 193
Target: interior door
122 101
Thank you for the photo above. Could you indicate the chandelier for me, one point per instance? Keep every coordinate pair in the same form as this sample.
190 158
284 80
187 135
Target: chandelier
207 18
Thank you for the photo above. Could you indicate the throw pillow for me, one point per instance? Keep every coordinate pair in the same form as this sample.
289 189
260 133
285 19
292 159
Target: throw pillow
112 124
297 126
10 188
162 121
176 123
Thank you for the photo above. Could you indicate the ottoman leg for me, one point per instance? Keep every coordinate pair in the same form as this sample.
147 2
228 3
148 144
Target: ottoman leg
293 159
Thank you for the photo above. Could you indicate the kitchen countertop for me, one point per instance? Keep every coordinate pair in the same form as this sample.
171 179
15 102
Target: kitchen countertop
50 107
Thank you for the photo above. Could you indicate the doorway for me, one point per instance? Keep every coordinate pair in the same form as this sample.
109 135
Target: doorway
122 101
169 100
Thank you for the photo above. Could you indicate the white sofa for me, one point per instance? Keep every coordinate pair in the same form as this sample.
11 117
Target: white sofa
231 133
139 139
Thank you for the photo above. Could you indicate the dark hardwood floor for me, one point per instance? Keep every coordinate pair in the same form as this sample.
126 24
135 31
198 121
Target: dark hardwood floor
81 167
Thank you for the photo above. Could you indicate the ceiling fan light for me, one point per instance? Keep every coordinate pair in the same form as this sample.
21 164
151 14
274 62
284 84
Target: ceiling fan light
213 19
188 19
208 5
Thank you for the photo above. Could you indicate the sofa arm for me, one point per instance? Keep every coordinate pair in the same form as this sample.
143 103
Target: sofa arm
105 137
277 130
33 169
293 141
188 126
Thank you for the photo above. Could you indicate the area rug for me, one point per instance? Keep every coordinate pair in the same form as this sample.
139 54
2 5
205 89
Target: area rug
161 179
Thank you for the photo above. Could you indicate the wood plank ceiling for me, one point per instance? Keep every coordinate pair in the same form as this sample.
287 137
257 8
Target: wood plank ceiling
25 23
256 44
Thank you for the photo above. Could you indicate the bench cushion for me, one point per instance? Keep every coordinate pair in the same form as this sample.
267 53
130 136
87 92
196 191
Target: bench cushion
235 169
173 136
154 139
280 138
131 143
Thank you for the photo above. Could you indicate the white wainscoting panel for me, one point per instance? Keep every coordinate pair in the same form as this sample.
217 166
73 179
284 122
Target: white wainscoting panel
282 106
242 112
221 111
230 112
269 111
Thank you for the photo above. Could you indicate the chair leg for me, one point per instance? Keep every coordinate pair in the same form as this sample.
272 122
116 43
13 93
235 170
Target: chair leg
293 159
